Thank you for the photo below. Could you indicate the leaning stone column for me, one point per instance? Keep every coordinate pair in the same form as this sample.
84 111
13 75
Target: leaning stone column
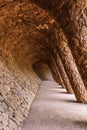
63 73
72 16
70 67
74 25
55 72
61 80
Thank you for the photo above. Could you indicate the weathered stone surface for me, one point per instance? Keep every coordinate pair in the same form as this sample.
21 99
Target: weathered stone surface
27 38
15 98
72 16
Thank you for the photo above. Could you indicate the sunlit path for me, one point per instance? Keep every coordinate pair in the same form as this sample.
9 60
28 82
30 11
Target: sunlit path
54 109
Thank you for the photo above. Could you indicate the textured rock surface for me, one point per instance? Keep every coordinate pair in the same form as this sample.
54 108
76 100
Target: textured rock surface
72 17
27 38
17 90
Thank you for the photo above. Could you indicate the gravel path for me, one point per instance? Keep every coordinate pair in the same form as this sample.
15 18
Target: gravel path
54 109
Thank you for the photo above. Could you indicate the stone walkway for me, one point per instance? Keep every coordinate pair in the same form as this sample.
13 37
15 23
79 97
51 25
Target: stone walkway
54 109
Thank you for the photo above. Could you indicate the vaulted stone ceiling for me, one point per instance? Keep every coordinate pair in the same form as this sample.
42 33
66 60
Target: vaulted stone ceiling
20 22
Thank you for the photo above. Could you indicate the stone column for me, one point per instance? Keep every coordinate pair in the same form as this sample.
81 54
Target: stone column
72 17
73 20
63 73
55 72
70 67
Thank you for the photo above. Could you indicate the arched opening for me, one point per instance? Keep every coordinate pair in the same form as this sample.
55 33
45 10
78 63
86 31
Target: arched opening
42 70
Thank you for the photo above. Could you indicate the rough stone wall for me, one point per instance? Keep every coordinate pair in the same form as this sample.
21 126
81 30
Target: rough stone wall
17 90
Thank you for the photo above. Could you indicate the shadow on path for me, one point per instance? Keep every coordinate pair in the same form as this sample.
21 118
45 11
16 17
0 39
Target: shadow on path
54 109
